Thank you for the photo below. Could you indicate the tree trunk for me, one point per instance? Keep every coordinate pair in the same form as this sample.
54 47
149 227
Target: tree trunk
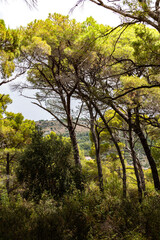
75 146
141 173
140 134
7 172
96 140
78 167
121 160
133 154
118 151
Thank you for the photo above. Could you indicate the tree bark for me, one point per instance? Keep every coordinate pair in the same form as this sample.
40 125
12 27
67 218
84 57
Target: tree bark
141 173
78 167
7 172
140 134
73 138
96 140
118 150
121 160
133 154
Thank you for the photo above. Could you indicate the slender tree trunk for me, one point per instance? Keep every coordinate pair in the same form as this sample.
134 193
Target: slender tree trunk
96 140
71 128
78 167
118 150
140 134
7 172
74 145
98 160
141 173
121 160
133 154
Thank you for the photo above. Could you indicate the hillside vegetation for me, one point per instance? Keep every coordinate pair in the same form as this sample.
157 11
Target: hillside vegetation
49 190
82 133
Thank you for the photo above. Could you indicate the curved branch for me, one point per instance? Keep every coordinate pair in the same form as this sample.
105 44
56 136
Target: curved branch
50 113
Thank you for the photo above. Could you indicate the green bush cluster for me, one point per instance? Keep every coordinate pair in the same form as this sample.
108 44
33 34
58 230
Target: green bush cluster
87 216
46 165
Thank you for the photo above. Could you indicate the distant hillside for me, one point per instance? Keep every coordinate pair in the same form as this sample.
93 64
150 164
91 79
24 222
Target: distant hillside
53 125
82 133
83 138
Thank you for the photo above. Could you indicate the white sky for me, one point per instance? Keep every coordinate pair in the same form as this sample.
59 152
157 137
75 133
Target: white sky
16 13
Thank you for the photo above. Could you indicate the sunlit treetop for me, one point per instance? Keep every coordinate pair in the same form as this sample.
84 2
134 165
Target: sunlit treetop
9 50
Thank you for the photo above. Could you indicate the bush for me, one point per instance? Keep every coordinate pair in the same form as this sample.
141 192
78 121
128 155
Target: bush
46 165
151 215
88 216
15 221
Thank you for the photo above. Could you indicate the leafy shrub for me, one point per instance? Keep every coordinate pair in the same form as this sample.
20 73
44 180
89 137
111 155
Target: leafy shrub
151 215
90 215
46 165
15 221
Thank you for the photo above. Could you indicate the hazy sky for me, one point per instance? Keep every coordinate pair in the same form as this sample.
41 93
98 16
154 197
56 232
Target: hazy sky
16 13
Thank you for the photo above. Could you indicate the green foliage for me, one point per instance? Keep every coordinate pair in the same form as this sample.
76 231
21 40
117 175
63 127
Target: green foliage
151 213
4 101
15 217
9 49
46 164
15 133
89 168
63 53
83 142
90 216
4 198
81 134
147 44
